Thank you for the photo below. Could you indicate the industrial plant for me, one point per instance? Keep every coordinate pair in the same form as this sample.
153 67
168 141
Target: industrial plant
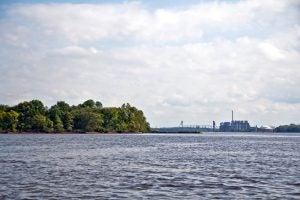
235 125
232 126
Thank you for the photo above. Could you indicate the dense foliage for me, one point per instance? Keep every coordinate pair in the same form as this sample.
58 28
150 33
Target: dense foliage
288 128
90 116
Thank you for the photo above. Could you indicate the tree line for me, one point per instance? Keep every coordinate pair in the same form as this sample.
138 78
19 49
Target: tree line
288 128
90 116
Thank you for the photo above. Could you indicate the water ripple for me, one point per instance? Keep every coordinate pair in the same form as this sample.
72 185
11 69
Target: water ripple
206 166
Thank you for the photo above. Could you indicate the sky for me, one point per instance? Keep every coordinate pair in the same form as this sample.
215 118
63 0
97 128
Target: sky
176 60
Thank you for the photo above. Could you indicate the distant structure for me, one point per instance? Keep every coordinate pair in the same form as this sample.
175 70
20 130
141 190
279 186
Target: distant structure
235 125
178 129
181 124
266 128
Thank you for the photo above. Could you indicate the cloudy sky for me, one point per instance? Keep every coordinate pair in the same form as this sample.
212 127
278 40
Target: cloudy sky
176 60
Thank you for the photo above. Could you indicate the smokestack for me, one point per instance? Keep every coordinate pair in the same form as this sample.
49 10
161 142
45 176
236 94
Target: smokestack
232 115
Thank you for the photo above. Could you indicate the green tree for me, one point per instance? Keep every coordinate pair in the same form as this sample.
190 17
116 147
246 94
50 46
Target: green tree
89 104
98 105
60 114
94 123
63 106
4 107
88 116
288 128
87 120
2 126
8 120
110 119
41 123
133 118
12 120
67 119
27 110
58 124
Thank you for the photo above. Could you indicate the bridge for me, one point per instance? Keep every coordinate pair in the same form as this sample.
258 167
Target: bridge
185 129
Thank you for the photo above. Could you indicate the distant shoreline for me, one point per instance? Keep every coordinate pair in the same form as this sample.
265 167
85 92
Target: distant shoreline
79 133
131 133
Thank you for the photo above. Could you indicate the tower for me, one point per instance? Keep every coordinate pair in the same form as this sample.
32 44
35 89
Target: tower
232 125
181 124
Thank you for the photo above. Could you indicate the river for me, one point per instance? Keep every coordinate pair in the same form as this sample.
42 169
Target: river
150 166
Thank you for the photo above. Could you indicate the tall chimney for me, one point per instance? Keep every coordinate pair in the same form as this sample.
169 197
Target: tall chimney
232 116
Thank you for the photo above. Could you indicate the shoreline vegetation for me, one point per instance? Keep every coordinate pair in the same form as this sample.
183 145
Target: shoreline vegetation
292 128
89 117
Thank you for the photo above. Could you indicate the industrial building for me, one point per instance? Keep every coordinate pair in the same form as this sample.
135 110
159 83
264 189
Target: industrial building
235 126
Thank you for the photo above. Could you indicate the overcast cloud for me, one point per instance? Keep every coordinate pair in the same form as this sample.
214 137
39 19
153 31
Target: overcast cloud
193 63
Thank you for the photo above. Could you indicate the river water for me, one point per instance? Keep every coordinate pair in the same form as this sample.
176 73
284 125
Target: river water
150 166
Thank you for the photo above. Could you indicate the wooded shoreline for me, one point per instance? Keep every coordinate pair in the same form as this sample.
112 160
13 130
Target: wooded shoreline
90 116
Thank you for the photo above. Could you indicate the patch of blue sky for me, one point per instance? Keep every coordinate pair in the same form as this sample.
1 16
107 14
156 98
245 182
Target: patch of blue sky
9 2
147 3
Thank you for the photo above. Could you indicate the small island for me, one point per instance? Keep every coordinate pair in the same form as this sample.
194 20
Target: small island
90 116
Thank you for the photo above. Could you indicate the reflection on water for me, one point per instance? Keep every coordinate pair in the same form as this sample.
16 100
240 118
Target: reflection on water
231 166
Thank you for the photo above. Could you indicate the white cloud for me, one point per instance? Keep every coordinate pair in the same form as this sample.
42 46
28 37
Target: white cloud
89 22
272 52
193 64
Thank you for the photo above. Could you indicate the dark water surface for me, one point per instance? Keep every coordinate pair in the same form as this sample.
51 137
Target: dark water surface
226 166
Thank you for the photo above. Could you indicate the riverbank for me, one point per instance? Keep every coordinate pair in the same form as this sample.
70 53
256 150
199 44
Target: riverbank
32 132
